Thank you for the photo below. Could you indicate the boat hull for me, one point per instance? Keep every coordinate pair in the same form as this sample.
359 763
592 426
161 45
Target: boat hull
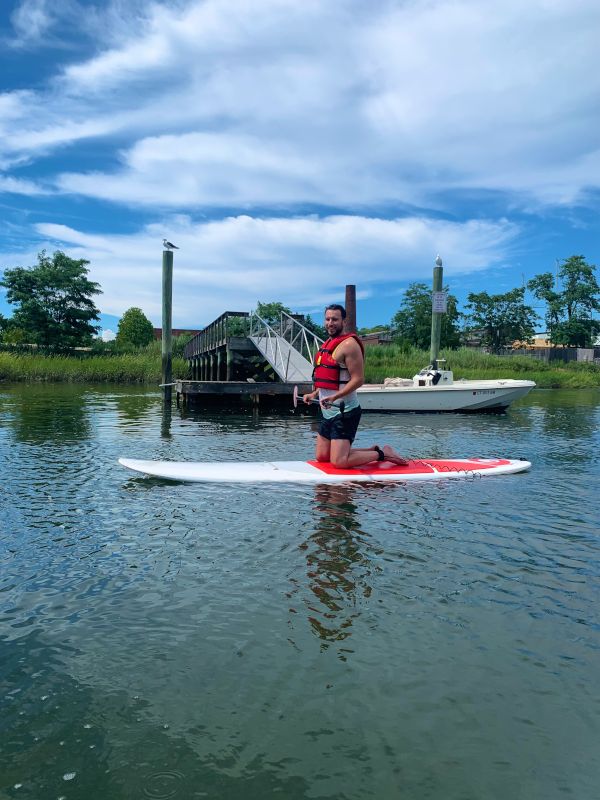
493 395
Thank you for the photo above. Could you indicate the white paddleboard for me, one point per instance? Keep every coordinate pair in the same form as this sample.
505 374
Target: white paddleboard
321 472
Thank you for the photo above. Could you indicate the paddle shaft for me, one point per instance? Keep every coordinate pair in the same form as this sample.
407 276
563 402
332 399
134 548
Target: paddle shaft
341 405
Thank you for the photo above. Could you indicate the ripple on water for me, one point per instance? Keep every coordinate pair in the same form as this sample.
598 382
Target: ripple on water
163 785
293 639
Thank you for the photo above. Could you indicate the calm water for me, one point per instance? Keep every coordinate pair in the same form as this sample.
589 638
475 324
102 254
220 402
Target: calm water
163 640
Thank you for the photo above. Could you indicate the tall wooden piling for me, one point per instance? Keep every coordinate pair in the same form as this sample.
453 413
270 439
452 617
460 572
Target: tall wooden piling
438 307
167 325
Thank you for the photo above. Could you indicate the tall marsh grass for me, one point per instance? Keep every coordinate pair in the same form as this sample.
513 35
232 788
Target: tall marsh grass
393 361
382 361
140 367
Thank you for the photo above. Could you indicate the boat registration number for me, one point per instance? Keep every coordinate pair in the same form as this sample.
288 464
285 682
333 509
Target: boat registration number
484 391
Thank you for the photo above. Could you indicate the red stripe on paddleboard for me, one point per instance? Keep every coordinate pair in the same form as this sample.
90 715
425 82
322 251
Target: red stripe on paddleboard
414 467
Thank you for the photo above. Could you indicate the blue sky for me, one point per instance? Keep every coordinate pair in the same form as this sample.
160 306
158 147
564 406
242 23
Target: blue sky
291 148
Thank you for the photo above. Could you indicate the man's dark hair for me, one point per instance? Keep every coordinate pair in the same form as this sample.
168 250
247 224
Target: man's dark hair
337 307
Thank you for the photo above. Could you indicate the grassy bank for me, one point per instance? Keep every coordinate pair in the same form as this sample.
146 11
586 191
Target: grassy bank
142 367
389 361
381 362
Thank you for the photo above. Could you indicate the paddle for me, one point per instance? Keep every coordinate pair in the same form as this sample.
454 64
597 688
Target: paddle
341 405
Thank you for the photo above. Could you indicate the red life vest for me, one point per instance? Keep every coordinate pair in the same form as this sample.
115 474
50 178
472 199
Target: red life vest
326 374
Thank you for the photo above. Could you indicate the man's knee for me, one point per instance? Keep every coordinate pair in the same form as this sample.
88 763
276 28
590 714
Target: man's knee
339 463
339 460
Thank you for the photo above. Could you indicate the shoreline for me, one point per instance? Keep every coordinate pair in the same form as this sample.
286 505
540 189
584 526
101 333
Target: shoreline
382 362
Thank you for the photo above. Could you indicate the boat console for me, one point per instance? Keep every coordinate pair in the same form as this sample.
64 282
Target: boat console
433 377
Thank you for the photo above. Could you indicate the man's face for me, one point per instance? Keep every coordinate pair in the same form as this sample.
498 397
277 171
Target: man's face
334 324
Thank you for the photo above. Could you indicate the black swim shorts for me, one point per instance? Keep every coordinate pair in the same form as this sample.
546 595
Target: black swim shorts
342 426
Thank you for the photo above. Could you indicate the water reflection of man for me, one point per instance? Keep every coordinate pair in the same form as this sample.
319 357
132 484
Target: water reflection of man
337 564
339 372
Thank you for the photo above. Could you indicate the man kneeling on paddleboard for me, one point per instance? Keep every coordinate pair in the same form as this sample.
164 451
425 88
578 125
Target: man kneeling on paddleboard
338 373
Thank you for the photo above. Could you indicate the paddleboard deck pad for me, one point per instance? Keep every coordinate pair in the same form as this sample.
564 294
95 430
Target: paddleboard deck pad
323 472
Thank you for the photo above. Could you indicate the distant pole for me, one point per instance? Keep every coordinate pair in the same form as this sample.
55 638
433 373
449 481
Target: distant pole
167 325
350 323
436 313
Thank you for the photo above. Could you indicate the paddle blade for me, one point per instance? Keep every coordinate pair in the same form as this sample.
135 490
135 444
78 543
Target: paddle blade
295 397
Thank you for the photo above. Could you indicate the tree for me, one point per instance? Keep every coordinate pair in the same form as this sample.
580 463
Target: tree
134 329
374 329
270 312
503 318
313 326
569 311
54 300
412 322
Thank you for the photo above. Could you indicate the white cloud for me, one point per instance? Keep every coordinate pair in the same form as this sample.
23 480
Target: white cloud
209 169
108 335
233 263
20 186
280 102
31 19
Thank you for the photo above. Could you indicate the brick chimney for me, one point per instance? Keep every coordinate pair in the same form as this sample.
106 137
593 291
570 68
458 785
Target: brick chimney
350 324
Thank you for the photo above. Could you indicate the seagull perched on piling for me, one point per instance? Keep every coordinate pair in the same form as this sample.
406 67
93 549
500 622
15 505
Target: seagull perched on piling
169 245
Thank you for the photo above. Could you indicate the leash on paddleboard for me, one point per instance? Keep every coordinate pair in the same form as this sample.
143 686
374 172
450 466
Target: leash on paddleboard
341 405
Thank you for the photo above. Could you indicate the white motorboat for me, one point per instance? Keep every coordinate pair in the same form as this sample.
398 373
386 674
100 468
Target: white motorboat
436 390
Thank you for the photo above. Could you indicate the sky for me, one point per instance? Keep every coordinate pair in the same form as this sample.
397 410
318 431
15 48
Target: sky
290 148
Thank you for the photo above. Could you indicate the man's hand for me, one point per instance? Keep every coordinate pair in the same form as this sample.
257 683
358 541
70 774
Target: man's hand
327 402
308 398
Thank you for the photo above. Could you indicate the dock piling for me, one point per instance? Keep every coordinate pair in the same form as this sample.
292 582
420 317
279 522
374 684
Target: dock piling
167 325
438 307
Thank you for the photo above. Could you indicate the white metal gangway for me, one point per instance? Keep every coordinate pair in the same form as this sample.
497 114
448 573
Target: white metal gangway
288 346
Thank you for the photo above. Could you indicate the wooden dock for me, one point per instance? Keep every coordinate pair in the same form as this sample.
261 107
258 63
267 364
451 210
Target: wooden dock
226 367
267 394
221 351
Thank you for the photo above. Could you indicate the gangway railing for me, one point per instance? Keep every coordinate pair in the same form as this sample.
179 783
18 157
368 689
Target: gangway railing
288 346
217 334
299 336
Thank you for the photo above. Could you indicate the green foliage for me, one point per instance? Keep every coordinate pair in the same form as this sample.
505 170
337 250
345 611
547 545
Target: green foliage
569 310
503 318
13 335
134 329
390 361
374 329
313 326
412 322
237 326
140 367
100 347
382 361
270 312
178 344
54 301
542 287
